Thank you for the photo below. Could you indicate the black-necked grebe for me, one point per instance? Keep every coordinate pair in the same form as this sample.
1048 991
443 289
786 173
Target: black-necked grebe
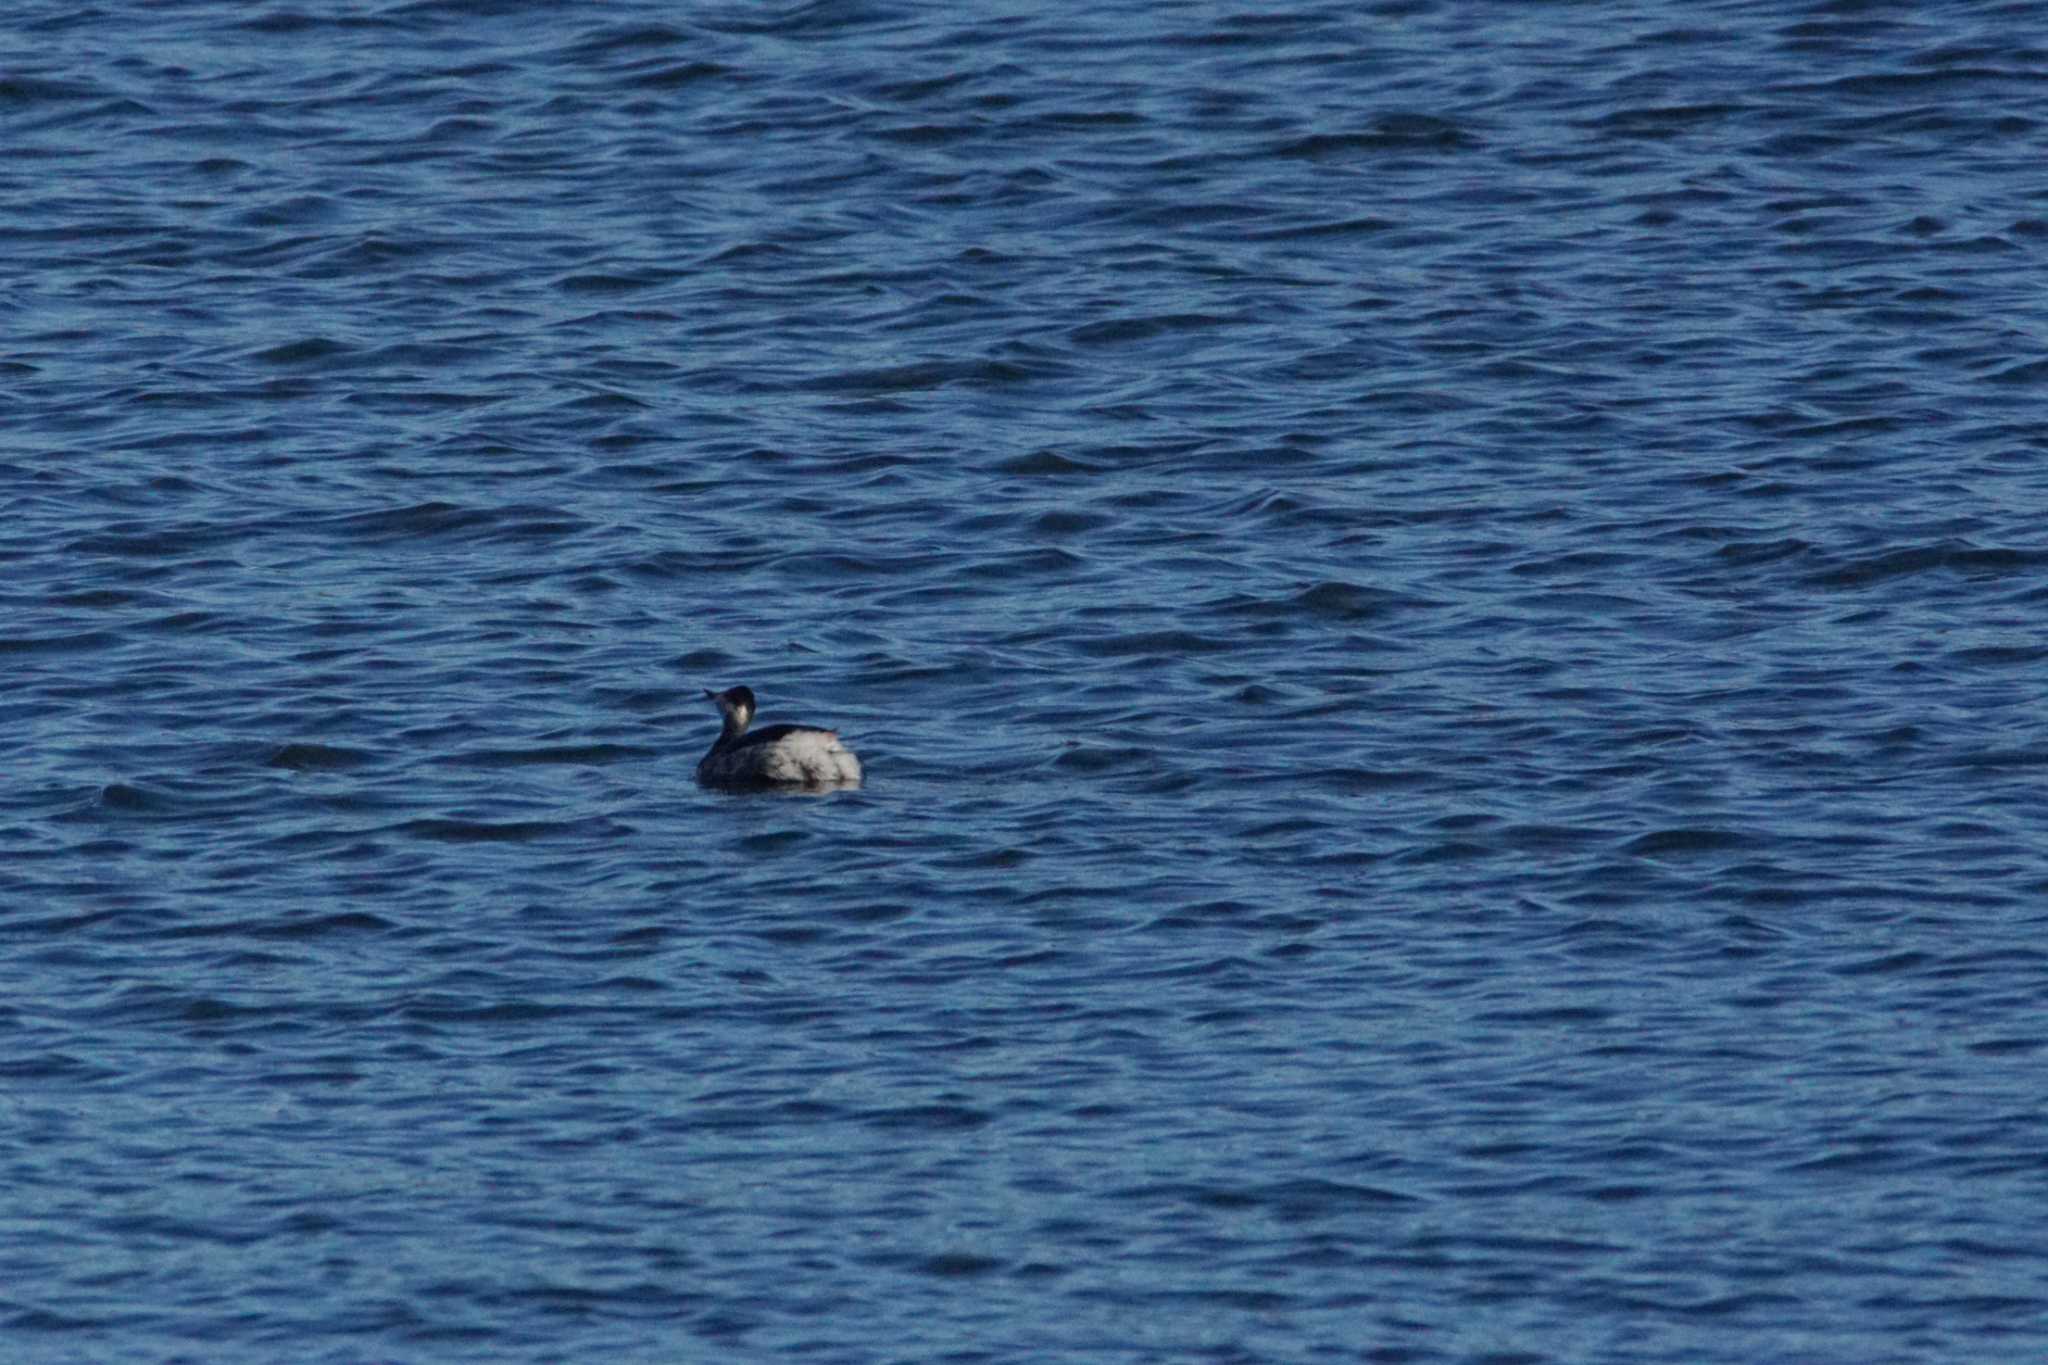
775 755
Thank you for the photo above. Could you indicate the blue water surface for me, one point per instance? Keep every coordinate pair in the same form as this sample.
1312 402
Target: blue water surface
1442 602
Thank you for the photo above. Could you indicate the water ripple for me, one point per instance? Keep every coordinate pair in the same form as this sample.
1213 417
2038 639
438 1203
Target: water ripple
1438 603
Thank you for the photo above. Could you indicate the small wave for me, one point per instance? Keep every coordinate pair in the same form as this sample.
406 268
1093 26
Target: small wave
1167 642
307 351
558 755
1668 843
927 1118
1391 133
1099 759
452 831
936 374
1123 330
1955 556
80 643
317 758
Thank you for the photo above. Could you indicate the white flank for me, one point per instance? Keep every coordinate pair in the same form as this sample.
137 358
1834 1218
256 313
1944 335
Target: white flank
802 758
810 756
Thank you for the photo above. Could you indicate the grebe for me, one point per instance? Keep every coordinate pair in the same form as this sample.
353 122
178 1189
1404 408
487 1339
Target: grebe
775 755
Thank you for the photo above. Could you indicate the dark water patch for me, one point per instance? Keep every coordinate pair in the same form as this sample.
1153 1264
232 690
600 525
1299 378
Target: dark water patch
2008 1047
438 520
1069 523
23 91
550 755
1330 228
1304 1200
1046 462
301 757
419 520
1566 1016
1999 760
173 545
1333 601
1171 643
1997 656
456 831
1758 553
1885 965
55 1067
1968 561
1387 133
1350 781
288 928
774 842
453 1010
1665 122
930 1118
308 351
1684 841
925 376
79 643
953 1265
1133 329
193 623
1087 758
615 283
679 75
126 798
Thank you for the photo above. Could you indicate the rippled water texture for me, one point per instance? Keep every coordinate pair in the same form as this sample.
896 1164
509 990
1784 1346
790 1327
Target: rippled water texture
1441 603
